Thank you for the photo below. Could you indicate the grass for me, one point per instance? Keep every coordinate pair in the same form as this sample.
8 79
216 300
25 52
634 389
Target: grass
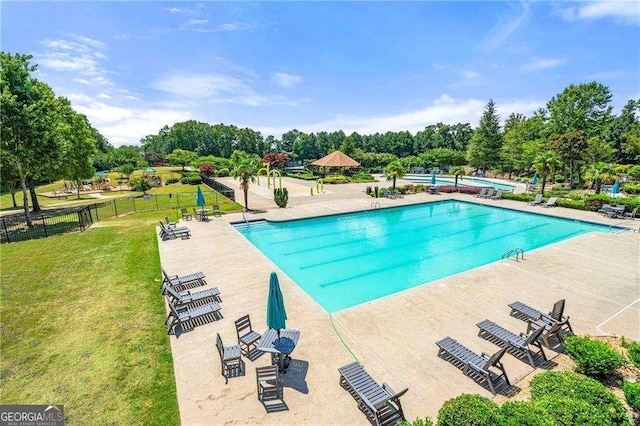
82 325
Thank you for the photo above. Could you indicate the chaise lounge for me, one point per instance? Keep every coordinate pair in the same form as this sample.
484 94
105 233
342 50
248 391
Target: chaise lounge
187 298
381 404
473 364
171 233
519 343
191 316
182 283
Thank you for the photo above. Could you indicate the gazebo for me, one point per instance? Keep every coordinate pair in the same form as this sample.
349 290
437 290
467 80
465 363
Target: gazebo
336 159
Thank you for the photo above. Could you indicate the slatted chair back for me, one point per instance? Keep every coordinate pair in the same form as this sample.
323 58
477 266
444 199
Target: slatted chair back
173 310
173 293
495 359
534 336
220 346
558 310
242 324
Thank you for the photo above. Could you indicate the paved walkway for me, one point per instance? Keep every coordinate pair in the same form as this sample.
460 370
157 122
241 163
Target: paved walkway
394 337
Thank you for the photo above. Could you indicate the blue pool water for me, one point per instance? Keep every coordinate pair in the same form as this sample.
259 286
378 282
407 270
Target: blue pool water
348 259
450 180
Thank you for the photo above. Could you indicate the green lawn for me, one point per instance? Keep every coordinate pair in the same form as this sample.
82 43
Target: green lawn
82 325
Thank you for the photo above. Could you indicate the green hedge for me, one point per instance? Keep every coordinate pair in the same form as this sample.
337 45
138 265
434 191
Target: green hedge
572 412
634 353
632 394
577 387
593 358
169 181
191 180
469 410
631 188
525 413
336 179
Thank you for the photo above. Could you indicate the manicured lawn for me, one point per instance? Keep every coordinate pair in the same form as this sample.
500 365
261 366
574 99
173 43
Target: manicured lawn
82 325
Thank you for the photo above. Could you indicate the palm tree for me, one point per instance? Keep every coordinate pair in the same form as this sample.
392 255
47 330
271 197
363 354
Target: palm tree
393 171
245 168
545 164
598 174
458 171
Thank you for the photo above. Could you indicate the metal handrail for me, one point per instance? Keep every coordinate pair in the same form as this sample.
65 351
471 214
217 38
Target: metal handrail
244 217
518 252
375 205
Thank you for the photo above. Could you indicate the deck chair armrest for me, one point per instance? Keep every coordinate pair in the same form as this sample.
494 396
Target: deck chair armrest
388 388
486 355
548 319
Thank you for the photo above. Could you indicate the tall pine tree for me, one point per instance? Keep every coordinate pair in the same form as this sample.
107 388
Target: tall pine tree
486 142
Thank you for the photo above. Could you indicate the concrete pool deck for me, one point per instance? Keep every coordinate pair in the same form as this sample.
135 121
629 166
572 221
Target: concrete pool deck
393 337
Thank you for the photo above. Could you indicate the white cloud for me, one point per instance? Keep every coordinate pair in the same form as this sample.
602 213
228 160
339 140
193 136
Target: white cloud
541 64
504 28
231 26
104 96
197 21
217 88
470 75
175 10
623 11
283 79
444 109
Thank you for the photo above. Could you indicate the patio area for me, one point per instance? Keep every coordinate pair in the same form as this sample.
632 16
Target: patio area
393 337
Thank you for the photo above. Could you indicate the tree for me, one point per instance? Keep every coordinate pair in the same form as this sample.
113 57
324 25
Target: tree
580 107
571 149
139 184
276 160
599 173
125 170
513 147
395 170
244 168
458 171
486 142
207 169
181 157
545 164
29 115
620 127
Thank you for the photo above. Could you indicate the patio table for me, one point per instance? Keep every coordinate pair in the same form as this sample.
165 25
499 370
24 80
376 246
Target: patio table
201 214
279 346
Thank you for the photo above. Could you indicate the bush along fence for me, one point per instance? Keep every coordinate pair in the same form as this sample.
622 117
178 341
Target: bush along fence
220 187
50 222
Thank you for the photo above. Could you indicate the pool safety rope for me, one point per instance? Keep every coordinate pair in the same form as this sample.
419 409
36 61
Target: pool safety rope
342 340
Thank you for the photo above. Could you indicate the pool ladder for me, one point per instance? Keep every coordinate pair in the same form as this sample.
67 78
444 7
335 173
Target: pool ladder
244 217
375 205
517 251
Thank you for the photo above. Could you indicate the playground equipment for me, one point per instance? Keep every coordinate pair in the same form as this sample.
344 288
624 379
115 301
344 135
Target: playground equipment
270 173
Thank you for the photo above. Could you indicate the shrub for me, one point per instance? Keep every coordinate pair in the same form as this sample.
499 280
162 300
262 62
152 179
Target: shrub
139 184
336 179
521 413
576 386
169 181
570 411
207 169
281 197
632 394
417 422
303 176
634 171
191 180
631 188
362 177
518 197
224 172
593 357
634 353
467 410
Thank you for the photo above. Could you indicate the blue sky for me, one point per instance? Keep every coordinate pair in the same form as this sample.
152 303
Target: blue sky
133 67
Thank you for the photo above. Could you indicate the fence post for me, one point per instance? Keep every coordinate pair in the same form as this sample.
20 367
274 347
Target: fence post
95 206
178 196
115 207
134 204
6 231
157 208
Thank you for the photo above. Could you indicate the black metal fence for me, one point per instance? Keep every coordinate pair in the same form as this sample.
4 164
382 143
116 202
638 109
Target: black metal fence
220 187
44 224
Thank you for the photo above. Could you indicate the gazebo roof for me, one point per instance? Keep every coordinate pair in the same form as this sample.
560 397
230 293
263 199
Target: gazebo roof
336 159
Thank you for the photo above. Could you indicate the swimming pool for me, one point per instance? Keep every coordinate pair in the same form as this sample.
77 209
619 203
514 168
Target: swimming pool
450 180
349 259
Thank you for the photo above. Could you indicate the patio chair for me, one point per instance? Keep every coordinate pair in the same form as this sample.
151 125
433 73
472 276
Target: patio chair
184 282
381 404
537 200
230 358
188 315
488 194
215 211
551 202
525 312
604 209
171 233
169 223
557 330
497 196
473 364
187 298
631 215
518 343
482 193
185 214
268 383
247 338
